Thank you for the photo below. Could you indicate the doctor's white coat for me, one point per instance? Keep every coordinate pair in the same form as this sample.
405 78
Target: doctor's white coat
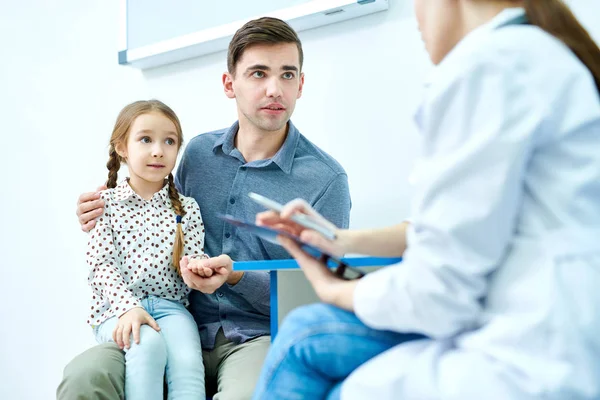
502 270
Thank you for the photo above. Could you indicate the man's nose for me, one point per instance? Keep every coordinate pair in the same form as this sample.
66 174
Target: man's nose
273 88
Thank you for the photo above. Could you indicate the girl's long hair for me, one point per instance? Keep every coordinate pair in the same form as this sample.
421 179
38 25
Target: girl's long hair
119 137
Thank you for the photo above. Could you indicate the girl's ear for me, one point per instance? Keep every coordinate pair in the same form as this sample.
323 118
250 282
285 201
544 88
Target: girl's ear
121 150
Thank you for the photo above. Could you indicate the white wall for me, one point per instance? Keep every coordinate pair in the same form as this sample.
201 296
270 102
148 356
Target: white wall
60 91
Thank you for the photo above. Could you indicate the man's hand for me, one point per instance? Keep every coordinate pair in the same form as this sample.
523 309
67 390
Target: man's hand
206 275
130 322
90 207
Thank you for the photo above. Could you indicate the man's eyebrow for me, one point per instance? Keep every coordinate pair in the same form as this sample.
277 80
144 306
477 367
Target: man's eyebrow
262 67
289 68
258 67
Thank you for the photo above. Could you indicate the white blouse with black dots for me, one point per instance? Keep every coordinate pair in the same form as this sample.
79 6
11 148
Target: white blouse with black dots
130 250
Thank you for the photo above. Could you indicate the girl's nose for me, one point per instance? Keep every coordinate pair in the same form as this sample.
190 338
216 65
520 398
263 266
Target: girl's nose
157 151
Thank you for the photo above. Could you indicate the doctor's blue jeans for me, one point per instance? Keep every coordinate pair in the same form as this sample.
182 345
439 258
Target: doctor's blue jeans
317 347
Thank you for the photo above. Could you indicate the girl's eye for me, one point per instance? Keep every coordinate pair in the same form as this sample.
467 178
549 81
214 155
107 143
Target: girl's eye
170 141
145 139
258 74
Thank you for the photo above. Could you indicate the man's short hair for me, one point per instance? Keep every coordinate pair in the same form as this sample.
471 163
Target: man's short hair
264 30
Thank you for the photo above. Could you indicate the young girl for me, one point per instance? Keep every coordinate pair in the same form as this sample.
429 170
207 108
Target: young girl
501 271
134 253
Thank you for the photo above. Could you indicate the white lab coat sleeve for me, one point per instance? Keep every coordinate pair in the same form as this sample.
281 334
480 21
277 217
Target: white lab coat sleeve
479 126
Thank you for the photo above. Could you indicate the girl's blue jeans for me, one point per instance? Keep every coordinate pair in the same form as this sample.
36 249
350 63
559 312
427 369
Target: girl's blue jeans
174 351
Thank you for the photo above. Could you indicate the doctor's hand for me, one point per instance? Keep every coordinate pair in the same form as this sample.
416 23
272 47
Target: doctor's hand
206 275
283 222
90 207
328 287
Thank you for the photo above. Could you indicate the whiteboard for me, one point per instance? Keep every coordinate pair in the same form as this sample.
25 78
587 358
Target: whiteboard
158 32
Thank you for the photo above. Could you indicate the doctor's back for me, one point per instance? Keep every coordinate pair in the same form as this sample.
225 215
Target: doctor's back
511 166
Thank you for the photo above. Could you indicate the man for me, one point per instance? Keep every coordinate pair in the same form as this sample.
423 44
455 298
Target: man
261 152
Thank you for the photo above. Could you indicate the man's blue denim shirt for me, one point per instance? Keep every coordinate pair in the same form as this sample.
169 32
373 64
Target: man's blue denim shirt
215 173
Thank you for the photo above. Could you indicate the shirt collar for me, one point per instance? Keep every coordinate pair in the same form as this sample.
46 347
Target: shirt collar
123 192
509 16
284 157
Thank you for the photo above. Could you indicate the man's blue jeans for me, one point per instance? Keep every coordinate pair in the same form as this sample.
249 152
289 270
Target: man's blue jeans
317 347
175 350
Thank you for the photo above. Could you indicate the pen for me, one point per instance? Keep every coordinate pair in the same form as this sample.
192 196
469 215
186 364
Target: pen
301 219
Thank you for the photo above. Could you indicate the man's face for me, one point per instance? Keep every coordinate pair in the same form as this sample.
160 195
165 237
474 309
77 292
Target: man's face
266 85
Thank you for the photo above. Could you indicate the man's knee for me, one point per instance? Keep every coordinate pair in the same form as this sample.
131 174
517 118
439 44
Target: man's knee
98 373
240 371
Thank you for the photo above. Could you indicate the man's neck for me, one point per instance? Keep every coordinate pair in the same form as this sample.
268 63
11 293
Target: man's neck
255 144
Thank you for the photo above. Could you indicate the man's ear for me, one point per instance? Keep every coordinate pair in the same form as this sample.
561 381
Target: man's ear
228 85
301 85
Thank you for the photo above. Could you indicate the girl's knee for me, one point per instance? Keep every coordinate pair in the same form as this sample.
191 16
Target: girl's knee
186 361
151 346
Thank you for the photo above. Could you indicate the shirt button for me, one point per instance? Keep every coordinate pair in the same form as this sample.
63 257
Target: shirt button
227 235
220 294
232 200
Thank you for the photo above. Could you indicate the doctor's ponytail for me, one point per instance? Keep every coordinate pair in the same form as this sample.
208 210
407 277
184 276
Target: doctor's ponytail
556 18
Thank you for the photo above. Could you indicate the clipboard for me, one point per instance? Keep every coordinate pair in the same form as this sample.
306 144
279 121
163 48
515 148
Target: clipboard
341 269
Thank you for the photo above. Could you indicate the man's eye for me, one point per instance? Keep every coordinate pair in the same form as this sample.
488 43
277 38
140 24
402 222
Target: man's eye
258 74
288 75
145 139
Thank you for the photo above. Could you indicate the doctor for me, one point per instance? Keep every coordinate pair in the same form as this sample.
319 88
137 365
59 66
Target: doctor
497 296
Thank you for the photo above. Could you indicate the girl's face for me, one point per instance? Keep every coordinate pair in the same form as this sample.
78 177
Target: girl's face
440 25
151 150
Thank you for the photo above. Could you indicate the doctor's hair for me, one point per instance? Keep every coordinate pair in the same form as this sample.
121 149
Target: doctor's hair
555 17
118 139
264 30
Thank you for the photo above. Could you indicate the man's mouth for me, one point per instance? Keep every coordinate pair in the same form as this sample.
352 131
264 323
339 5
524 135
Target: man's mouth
274 107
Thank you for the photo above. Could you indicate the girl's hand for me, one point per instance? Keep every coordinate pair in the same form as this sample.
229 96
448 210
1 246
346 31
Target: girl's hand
130 322
206 275
197 266
282 221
